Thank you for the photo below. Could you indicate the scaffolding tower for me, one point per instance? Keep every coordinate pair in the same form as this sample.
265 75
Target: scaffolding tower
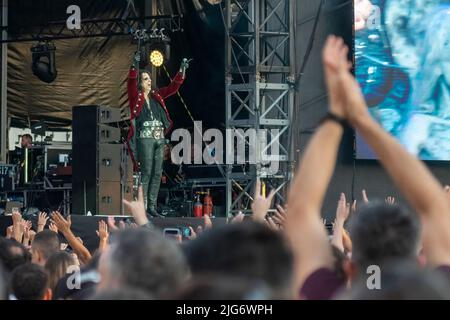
259 92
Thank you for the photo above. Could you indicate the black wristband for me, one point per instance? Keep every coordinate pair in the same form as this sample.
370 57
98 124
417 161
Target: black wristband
332 117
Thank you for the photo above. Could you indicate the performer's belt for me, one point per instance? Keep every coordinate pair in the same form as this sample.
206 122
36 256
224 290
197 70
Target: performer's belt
152 129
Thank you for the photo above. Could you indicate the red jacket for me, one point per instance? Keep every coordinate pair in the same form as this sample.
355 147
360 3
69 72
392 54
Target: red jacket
136 100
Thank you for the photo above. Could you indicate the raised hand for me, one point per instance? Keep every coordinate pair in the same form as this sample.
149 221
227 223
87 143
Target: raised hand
136 58
75 243
207 221
343 209
16 217
102 231
184 65
334 57
9 232
342 213
238 218
18 231
26 232
281 215
103 234
53 227
32 235
122 225
272 225
62 224
353 208
261 204
137 208
390 200
193 235
112 224
364 196
42 221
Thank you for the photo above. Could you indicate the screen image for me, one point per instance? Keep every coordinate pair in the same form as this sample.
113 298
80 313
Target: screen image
402 63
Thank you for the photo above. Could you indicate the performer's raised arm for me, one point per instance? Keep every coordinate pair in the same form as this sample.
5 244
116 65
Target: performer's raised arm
132 86
176 82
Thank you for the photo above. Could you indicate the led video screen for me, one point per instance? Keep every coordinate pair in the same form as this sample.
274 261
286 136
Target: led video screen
402 62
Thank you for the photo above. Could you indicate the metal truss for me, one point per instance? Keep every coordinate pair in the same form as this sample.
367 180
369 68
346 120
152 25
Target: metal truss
92 28
259 94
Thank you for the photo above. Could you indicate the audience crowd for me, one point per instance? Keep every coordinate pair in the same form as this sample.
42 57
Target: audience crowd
376 250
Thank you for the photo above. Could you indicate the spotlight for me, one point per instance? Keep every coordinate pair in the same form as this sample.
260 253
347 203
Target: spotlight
156 58
159 52
44 64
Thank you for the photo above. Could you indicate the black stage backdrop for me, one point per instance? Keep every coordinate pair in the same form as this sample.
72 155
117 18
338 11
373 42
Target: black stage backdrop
93 71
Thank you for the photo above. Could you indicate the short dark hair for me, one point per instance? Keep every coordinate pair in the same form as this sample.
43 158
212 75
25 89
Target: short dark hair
47 242
27 136
382 232
13 254
145 259
249 250
29 282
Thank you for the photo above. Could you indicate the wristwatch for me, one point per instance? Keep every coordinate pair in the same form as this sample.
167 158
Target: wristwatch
335 118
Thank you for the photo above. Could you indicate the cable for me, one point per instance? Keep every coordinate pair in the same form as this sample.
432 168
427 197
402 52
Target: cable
193 121
310 46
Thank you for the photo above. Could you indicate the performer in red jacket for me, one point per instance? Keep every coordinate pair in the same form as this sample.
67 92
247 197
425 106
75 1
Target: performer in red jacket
150 122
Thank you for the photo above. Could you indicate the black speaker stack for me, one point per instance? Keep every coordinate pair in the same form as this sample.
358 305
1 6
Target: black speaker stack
102 169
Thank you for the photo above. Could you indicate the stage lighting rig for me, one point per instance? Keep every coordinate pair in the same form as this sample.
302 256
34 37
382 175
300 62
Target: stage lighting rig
159 48
154 47
44 62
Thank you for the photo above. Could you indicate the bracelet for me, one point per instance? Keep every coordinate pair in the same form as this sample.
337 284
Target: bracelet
332 117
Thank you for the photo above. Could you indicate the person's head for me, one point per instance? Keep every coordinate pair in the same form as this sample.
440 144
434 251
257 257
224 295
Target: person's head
143 259
57 266
220 287
380 233
83 282
123 293
13 254
249 250
30 282
45 244
26 140
400 280
146 81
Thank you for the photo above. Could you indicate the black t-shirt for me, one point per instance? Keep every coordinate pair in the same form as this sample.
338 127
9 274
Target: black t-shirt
154 112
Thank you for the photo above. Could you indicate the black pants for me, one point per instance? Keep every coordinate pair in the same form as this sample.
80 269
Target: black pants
150 156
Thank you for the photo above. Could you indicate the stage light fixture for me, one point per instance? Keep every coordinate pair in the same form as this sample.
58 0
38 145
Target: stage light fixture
159 52
44 62
156 58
